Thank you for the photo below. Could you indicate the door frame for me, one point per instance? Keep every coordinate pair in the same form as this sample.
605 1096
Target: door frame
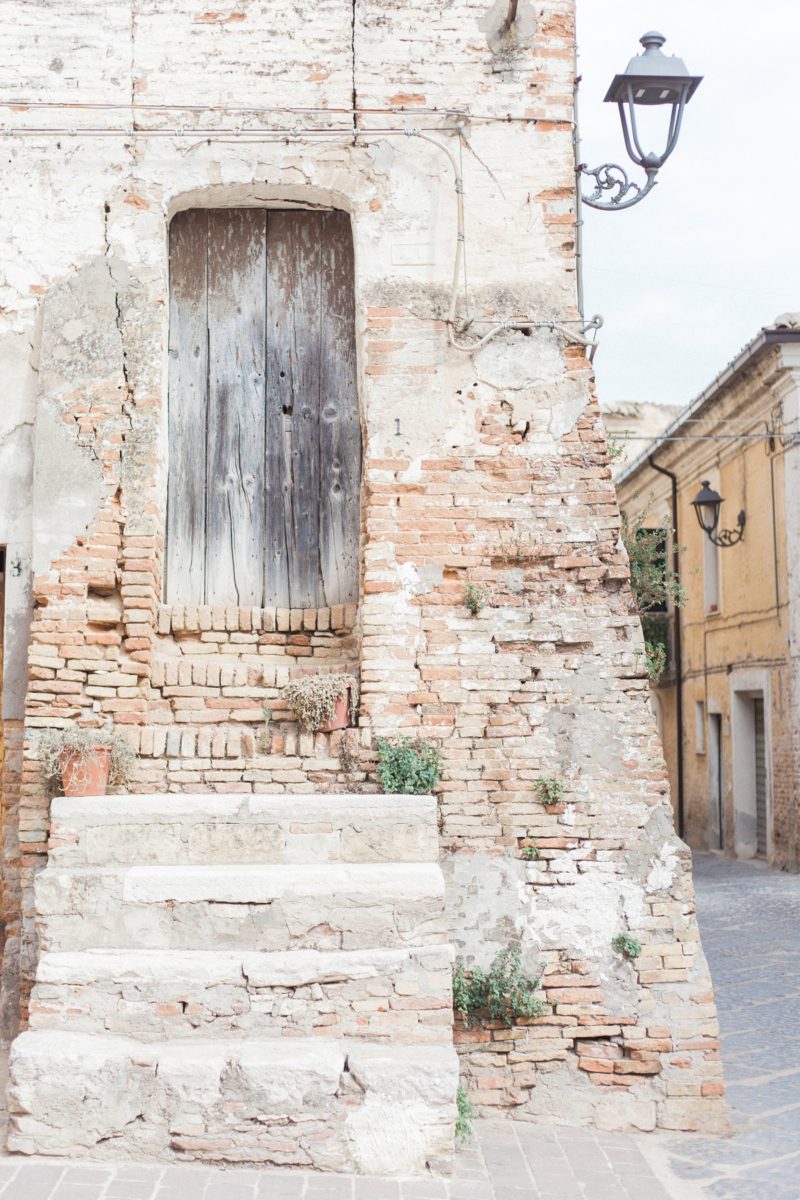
716 767
747 685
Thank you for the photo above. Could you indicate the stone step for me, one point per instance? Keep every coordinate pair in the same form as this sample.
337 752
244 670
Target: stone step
306 1102
320 907
155 996
185 828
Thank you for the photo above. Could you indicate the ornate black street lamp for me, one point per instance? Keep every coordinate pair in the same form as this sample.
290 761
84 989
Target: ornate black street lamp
651 78
706 505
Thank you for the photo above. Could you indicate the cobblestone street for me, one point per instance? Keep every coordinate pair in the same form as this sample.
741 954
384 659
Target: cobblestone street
750 921
750 924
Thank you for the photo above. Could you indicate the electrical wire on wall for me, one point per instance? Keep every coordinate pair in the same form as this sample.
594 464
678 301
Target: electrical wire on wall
456 329
457 326
707 437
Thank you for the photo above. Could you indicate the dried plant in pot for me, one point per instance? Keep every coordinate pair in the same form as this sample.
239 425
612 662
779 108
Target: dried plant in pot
323 703
85 761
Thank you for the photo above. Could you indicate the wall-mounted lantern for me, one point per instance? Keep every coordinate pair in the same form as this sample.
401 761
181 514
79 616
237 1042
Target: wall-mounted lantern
651 78
706 505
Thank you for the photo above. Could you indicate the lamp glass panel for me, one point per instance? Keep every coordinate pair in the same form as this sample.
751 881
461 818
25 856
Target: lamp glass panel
652 125
708 515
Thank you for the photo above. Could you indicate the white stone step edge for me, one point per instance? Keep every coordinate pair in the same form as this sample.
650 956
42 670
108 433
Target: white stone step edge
358 883
261 969
338 809
105 810
392 1108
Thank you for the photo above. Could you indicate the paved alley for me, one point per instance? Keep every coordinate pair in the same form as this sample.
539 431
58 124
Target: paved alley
750 925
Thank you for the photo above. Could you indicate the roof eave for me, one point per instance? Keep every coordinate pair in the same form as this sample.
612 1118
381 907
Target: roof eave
752 351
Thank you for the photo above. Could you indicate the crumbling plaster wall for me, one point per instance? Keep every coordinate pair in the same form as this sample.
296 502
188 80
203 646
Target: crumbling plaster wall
17 370
488 468
16 465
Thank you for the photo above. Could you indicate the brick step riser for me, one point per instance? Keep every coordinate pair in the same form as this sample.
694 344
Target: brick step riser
326 1105
183 830
241 908
372 994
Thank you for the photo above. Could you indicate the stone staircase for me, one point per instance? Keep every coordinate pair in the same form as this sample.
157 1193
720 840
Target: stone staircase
244 979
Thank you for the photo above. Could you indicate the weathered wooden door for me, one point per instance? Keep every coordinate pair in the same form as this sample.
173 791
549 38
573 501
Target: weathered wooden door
264 430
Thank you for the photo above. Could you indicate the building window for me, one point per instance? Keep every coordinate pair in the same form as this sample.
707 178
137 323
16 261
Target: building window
711 589
653 575
699 727
264 428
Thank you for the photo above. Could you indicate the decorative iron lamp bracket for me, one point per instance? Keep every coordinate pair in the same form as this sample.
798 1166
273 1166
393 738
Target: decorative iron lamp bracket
651 78
612 178
707 504
729 537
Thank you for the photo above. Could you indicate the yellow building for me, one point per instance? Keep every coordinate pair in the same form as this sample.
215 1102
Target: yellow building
729 701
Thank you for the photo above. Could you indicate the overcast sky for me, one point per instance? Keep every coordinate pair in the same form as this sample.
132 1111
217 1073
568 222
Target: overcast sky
686 278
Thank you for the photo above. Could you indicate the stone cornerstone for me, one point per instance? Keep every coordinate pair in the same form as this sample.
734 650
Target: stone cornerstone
484 463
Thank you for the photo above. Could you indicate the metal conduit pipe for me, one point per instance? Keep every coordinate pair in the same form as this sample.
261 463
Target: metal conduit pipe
501 326
512 15
298 134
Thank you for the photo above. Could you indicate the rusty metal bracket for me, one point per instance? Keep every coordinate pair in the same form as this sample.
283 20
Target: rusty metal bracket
512 15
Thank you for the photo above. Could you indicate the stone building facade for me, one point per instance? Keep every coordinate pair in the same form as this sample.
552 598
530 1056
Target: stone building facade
631 424
484 462
734 665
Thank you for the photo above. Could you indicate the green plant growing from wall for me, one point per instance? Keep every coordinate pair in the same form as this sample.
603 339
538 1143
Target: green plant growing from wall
349 762
655 587
615 447
531 852
466 1115
655 659
626 945
408 767
549 790
516 548
503 993
475 598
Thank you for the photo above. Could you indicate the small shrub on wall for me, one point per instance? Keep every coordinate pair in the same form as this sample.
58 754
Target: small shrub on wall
503 993
408 767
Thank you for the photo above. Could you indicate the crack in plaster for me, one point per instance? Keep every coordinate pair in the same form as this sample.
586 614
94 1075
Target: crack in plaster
119 321
9 433
353 89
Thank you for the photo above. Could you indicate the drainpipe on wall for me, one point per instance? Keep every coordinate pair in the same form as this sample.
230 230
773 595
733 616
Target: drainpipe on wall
678 647
576 148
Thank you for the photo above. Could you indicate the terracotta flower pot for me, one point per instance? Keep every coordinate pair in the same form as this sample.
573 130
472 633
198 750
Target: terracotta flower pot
85 774
341 715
